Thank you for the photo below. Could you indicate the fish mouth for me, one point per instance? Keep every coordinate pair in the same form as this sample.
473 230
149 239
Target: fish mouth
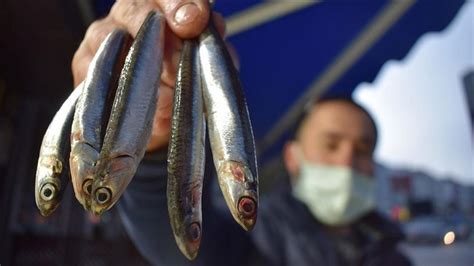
46 211
48 208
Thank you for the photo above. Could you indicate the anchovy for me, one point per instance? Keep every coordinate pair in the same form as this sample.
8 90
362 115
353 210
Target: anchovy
186 153
230 131
52 174
92 110
131 118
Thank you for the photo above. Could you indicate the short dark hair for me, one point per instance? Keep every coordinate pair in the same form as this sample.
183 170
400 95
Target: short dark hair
309 107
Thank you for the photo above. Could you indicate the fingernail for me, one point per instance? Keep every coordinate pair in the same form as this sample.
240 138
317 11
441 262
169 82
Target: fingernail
186 13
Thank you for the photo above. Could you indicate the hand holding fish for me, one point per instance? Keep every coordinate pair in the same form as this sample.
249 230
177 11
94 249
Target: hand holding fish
125 102
184 18
100 133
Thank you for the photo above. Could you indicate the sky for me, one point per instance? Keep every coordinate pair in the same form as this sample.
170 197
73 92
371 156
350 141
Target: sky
419 104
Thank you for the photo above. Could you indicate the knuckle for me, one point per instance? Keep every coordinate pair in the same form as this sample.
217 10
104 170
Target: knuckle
130 12
74 63
80 63
126 9
94 28
78 55
96 33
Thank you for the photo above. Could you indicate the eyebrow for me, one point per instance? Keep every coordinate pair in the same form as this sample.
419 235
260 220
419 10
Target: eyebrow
337 136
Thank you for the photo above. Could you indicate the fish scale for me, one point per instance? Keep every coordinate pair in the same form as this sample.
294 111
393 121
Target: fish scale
91 109
230 130
131 118
52 174
186 154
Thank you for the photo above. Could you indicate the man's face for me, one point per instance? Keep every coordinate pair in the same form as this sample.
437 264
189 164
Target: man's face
335 133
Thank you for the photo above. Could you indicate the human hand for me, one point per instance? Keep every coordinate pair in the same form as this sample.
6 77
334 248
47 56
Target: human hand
185 19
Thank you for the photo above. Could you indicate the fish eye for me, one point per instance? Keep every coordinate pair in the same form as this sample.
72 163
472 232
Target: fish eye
47 192
87 186
247 207
194 231
103 195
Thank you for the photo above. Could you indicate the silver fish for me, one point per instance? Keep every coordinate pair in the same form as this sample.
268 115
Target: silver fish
131 118
230 131
92 109
186 153
52 173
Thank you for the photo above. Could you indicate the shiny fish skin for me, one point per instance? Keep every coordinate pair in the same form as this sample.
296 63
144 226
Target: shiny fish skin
52 174
230 131
131 118
186 154
87 128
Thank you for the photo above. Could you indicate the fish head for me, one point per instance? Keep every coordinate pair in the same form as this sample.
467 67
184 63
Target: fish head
240 190
82 162
185 215
189 238
188 229
47 192
111 178
48 197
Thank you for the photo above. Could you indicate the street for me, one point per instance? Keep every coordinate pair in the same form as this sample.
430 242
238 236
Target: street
457 254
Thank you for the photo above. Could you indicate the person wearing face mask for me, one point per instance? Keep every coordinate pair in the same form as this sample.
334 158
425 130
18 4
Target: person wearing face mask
330 162
332 193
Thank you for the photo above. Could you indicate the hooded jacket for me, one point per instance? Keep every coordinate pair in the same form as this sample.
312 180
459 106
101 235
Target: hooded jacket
286 233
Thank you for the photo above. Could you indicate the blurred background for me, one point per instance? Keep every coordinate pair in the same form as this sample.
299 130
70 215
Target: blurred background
410 63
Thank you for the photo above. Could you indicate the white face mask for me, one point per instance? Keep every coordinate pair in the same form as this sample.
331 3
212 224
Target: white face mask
335 195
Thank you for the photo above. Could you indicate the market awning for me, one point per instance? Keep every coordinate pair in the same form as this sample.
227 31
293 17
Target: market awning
293 51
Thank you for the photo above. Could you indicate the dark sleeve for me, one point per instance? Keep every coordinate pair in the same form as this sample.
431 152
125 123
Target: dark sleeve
143 209
387 257
267 237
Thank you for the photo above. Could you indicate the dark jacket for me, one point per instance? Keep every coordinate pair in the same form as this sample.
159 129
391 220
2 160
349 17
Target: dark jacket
285 234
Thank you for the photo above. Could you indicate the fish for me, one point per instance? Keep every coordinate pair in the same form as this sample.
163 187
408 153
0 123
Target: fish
229 128
52 173
131 117
92 111
186 153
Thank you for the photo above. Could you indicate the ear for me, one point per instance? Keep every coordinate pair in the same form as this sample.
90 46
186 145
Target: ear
291 158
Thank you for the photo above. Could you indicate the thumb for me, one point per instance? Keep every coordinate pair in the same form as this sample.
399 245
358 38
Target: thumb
186 18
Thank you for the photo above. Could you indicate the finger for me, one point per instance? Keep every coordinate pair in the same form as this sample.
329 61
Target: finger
187 18
95 35
173 49
170 58
130 14
165 102
97 32
80 64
